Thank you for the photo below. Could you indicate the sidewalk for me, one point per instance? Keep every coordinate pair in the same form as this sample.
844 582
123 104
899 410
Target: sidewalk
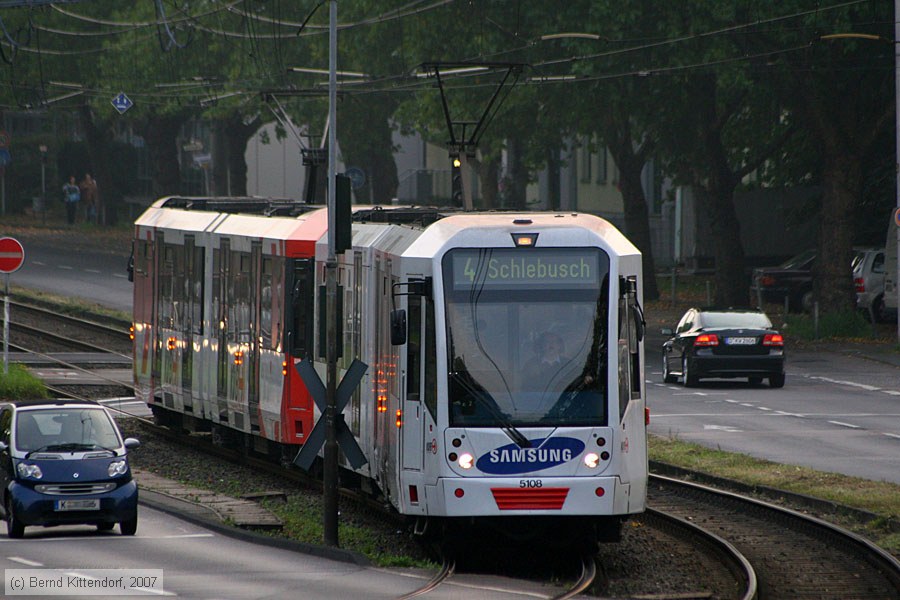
238 518
239 512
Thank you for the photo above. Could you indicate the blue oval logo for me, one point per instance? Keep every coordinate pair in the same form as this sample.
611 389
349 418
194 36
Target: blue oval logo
513 460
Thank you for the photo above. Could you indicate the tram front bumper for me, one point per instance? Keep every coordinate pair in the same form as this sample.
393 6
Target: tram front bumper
511 496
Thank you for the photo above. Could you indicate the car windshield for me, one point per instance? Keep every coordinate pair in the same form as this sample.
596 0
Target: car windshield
65 428
713 320
800 261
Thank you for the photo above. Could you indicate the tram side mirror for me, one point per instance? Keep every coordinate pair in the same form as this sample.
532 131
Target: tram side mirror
398 327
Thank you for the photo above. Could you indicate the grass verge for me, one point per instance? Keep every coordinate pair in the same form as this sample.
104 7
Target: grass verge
878 497
19 384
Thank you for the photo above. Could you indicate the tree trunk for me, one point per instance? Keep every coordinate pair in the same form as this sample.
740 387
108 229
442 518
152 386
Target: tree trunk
366 140
161 134
229 164
487 179
98 139
715 183
833 283
515 181
637 219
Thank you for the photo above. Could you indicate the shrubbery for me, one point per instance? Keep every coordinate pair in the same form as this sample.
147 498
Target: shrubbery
849 324
19 384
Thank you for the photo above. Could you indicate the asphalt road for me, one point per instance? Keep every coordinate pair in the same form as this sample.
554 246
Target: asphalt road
98 276
836 413
195 562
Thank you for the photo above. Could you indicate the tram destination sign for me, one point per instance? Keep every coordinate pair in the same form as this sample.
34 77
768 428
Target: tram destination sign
515 268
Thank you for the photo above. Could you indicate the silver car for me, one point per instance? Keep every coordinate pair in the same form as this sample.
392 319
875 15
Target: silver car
868 277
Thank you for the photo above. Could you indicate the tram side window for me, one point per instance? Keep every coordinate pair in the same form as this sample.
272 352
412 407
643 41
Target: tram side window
241 299
278 311
430 359
196 290
166 284
265 300
179 287
300 302
414 348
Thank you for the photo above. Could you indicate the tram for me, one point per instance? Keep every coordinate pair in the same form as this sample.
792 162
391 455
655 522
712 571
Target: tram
458 414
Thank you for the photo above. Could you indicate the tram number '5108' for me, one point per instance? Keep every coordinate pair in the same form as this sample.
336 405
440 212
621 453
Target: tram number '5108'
530 483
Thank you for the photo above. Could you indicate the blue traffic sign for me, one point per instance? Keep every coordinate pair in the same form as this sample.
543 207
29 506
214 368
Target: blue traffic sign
5 157
357 177
122 103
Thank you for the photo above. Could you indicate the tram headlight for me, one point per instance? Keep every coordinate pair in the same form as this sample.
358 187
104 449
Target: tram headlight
591 460
466 460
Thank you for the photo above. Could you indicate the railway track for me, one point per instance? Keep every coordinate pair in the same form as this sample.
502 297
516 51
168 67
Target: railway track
793 556
75 356
52 331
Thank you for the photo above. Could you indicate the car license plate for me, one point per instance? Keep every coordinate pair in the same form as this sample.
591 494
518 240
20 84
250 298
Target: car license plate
81 504
740 341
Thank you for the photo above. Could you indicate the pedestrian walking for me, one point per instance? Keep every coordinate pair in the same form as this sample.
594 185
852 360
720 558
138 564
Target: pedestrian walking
71 196
88 187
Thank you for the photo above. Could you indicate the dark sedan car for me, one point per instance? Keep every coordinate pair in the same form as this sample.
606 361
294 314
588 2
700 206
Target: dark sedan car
724 343
792 279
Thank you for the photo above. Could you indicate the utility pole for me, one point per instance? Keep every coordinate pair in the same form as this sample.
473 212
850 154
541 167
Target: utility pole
897 146
330 474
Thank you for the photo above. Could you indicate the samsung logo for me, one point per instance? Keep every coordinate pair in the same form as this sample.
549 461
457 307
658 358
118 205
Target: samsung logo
544 454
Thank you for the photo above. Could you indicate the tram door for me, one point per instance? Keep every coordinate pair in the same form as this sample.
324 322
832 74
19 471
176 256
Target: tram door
191 281
412 416
253 341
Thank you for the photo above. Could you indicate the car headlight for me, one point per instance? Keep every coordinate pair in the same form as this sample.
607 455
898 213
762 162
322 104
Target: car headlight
27 470
117 467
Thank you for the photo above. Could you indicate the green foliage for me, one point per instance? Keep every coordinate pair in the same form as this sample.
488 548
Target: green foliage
842 325
20 384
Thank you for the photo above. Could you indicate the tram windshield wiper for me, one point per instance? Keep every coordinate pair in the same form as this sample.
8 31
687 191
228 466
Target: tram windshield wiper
484 399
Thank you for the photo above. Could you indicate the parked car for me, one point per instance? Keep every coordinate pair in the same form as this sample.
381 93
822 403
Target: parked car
724 343
65 462
791 279
868 277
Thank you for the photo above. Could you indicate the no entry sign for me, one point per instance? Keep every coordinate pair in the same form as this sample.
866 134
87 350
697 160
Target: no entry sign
12 255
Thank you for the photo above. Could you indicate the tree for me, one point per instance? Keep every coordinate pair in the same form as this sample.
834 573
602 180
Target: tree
841 89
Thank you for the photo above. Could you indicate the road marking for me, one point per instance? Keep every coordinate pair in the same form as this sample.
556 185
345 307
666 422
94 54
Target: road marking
789 414
842 424
64 267
893 435
763 408
25 561
892 392
747 405
722 428
97 271
870 388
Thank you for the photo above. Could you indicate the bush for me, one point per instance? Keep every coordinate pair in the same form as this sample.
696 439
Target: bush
19 384
848 324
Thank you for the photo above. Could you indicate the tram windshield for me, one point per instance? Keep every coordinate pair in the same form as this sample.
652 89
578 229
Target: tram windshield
526 334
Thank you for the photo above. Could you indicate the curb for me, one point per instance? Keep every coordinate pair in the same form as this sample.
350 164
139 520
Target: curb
206 517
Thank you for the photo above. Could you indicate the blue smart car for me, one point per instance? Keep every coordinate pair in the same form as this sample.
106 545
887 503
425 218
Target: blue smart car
64 462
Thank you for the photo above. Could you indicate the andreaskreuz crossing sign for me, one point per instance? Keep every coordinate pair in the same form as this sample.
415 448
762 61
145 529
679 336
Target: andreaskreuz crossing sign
12 255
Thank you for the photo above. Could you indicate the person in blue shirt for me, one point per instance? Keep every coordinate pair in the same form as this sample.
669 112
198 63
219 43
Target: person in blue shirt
71 196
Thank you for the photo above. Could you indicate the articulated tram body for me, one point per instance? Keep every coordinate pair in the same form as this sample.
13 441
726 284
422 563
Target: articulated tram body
456 414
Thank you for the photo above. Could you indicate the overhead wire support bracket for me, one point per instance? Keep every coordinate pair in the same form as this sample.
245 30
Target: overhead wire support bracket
441 70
